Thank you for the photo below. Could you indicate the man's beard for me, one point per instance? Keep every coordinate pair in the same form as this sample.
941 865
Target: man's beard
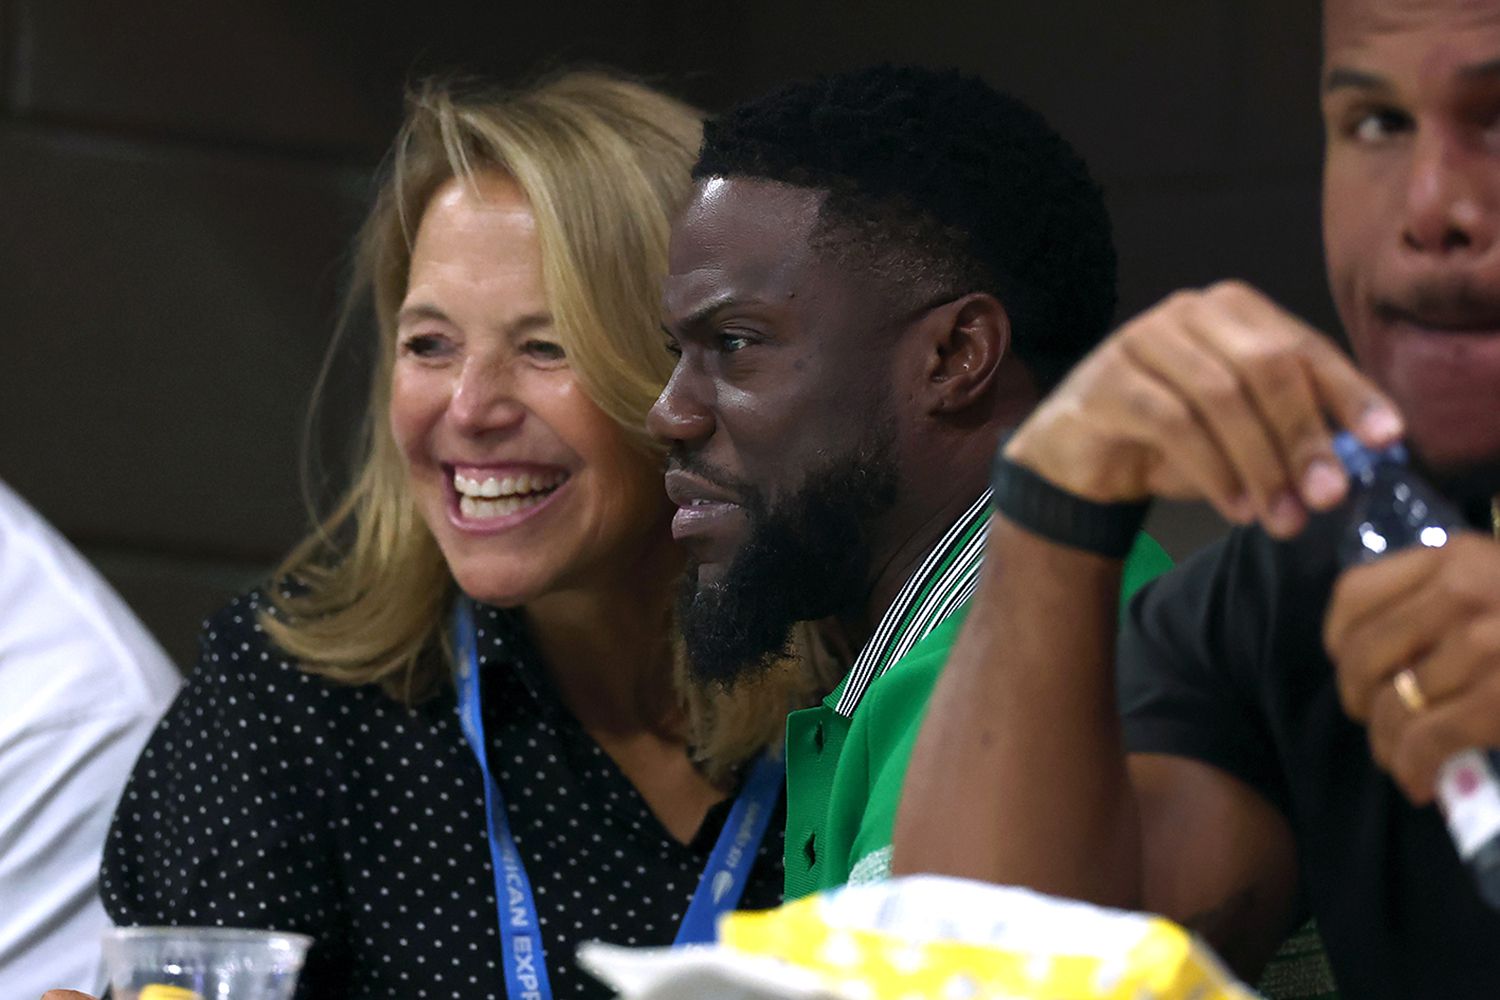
808 557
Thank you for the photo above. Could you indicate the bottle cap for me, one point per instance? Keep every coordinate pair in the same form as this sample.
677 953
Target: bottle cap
1359 459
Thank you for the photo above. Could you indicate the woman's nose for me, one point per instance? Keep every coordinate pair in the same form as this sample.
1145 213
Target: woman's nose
484 398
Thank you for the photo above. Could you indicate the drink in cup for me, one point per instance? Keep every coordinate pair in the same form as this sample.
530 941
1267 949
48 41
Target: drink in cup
202 963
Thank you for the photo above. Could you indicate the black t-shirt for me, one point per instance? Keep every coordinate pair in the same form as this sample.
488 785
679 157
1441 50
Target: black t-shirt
1222 661
272 798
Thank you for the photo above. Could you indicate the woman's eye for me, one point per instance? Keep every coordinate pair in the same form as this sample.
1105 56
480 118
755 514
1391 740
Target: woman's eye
544 350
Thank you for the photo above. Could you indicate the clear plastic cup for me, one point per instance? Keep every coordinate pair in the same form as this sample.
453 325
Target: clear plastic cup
202 963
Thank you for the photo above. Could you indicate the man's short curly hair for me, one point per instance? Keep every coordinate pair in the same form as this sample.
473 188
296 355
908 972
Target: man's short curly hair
940 185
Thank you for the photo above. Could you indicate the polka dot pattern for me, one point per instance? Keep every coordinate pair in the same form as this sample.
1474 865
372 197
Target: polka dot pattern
272 798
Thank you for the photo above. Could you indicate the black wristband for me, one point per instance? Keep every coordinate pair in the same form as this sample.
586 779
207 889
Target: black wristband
1042 508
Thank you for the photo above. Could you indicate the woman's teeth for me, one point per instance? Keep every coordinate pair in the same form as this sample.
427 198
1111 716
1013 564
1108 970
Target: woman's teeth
499 496
482 509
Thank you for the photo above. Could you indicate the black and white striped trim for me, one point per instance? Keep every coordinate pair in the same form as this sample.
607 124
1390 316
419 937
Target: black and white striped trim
955 559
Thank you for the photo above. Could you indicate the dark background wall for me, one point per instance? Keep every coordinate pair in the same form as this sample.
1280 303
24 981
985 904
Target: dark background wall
180 179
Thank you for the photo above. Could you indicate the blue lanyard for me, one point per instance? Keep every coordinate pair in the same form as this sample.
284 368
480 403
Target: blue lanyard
719 889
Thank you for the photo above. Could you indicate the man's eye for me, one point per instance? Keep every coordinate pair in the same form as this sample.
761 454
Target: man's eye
544 350
423 345
1379 124
732 342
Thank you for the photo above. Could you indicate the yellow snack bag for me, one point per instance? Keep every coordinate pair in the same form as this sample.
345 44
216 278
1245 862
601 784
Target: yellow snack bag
926 938
956 940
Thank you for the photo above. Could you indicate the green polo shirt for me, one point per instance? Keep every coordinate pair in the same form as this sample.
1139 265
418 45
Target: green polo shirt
846 758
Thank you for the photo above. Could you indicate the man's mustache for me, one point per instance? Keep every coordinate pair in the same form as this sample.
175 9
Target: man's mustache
679 459
1449 305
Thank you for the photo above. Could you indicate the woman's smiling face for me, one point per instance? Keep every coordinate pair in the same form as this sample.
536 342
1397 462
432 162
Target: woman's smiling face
528 488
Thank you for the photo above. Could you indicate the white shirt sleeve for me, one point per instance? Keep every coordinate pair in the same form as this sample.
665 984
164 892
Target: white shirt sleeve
81 686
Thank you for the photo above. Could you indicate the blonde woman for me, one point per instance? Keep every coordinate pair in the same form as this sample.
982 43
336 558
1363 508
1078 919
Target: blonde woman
453 738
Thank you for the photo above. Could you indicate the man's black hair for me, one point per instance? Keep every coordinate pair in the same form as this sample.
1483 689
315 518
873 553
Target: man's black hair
941 185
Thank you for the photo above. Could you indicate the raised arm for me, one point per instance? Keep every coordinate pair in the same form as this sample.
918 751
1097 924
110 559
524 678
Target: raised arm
1020 773
1018 767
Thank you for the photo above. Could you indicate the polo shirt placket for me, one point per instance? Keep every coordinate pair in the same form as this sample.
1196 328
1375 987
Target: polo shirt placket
942 583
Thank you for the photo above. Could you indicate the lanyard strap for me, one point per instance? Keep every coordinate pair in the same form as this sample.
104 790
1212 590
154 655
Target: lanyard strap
520 931
719 889
728 869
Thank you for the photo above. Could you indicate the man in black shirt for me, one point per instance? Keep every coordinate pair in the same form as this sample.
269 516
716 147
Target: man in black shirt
1284 724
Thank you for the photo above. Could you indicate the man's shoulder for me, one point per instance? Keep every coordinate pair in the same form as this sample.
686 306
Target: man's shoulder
1221 660
900 694
885 726
69 645
1245 587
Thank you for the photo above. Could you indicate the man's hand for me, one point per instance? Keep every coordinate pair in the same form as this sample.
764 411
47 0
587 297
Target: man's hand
1218 395
1435 612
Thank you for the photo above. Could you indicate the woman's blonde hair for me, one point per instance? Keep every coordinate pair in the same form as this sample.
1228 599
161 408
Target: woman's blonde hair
604 163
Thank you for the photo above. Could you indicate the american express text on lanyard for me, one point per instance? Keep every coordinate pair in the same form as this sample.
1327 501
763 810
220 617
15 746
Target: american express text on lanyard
719 888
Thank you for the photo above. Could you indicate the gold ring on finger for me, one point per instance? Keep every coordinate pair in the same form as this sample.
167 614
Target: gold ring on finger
1409 690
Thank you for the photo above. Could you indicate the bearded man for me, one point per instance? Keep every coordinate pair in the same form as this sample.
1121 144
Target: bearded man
880 272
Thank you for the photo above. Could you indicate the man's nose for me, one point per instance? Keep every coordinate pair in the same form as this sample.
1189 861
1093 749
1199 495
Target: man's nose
680 413
1452 197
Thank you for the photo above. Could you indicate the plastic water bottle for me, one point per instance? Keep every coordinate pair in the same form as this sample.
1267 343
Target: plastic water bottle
1392 508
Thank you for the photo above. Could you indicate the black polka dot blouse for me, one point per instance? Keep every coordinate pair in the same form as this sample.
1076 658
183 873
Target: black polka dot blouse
272 798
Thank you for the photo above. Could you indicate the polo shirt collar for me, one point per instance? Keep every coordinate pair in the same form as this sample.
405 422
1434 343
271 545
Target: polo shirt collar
944 580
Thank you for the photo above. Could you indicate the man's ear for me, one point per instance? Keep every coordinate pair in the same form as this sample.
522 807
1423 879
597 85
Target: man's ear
968 339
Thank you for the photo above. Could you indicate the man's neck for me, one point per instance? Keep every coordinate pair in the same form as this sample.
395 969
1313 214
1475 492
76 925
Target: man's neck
914 532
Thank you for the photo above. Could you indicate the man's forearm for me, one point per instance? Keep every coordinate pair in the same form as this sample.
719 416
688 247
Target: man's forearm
1018 775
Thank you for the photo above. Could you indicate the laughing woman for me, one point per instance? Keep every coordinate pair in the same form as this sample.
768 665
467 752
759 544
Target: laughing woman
469 668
